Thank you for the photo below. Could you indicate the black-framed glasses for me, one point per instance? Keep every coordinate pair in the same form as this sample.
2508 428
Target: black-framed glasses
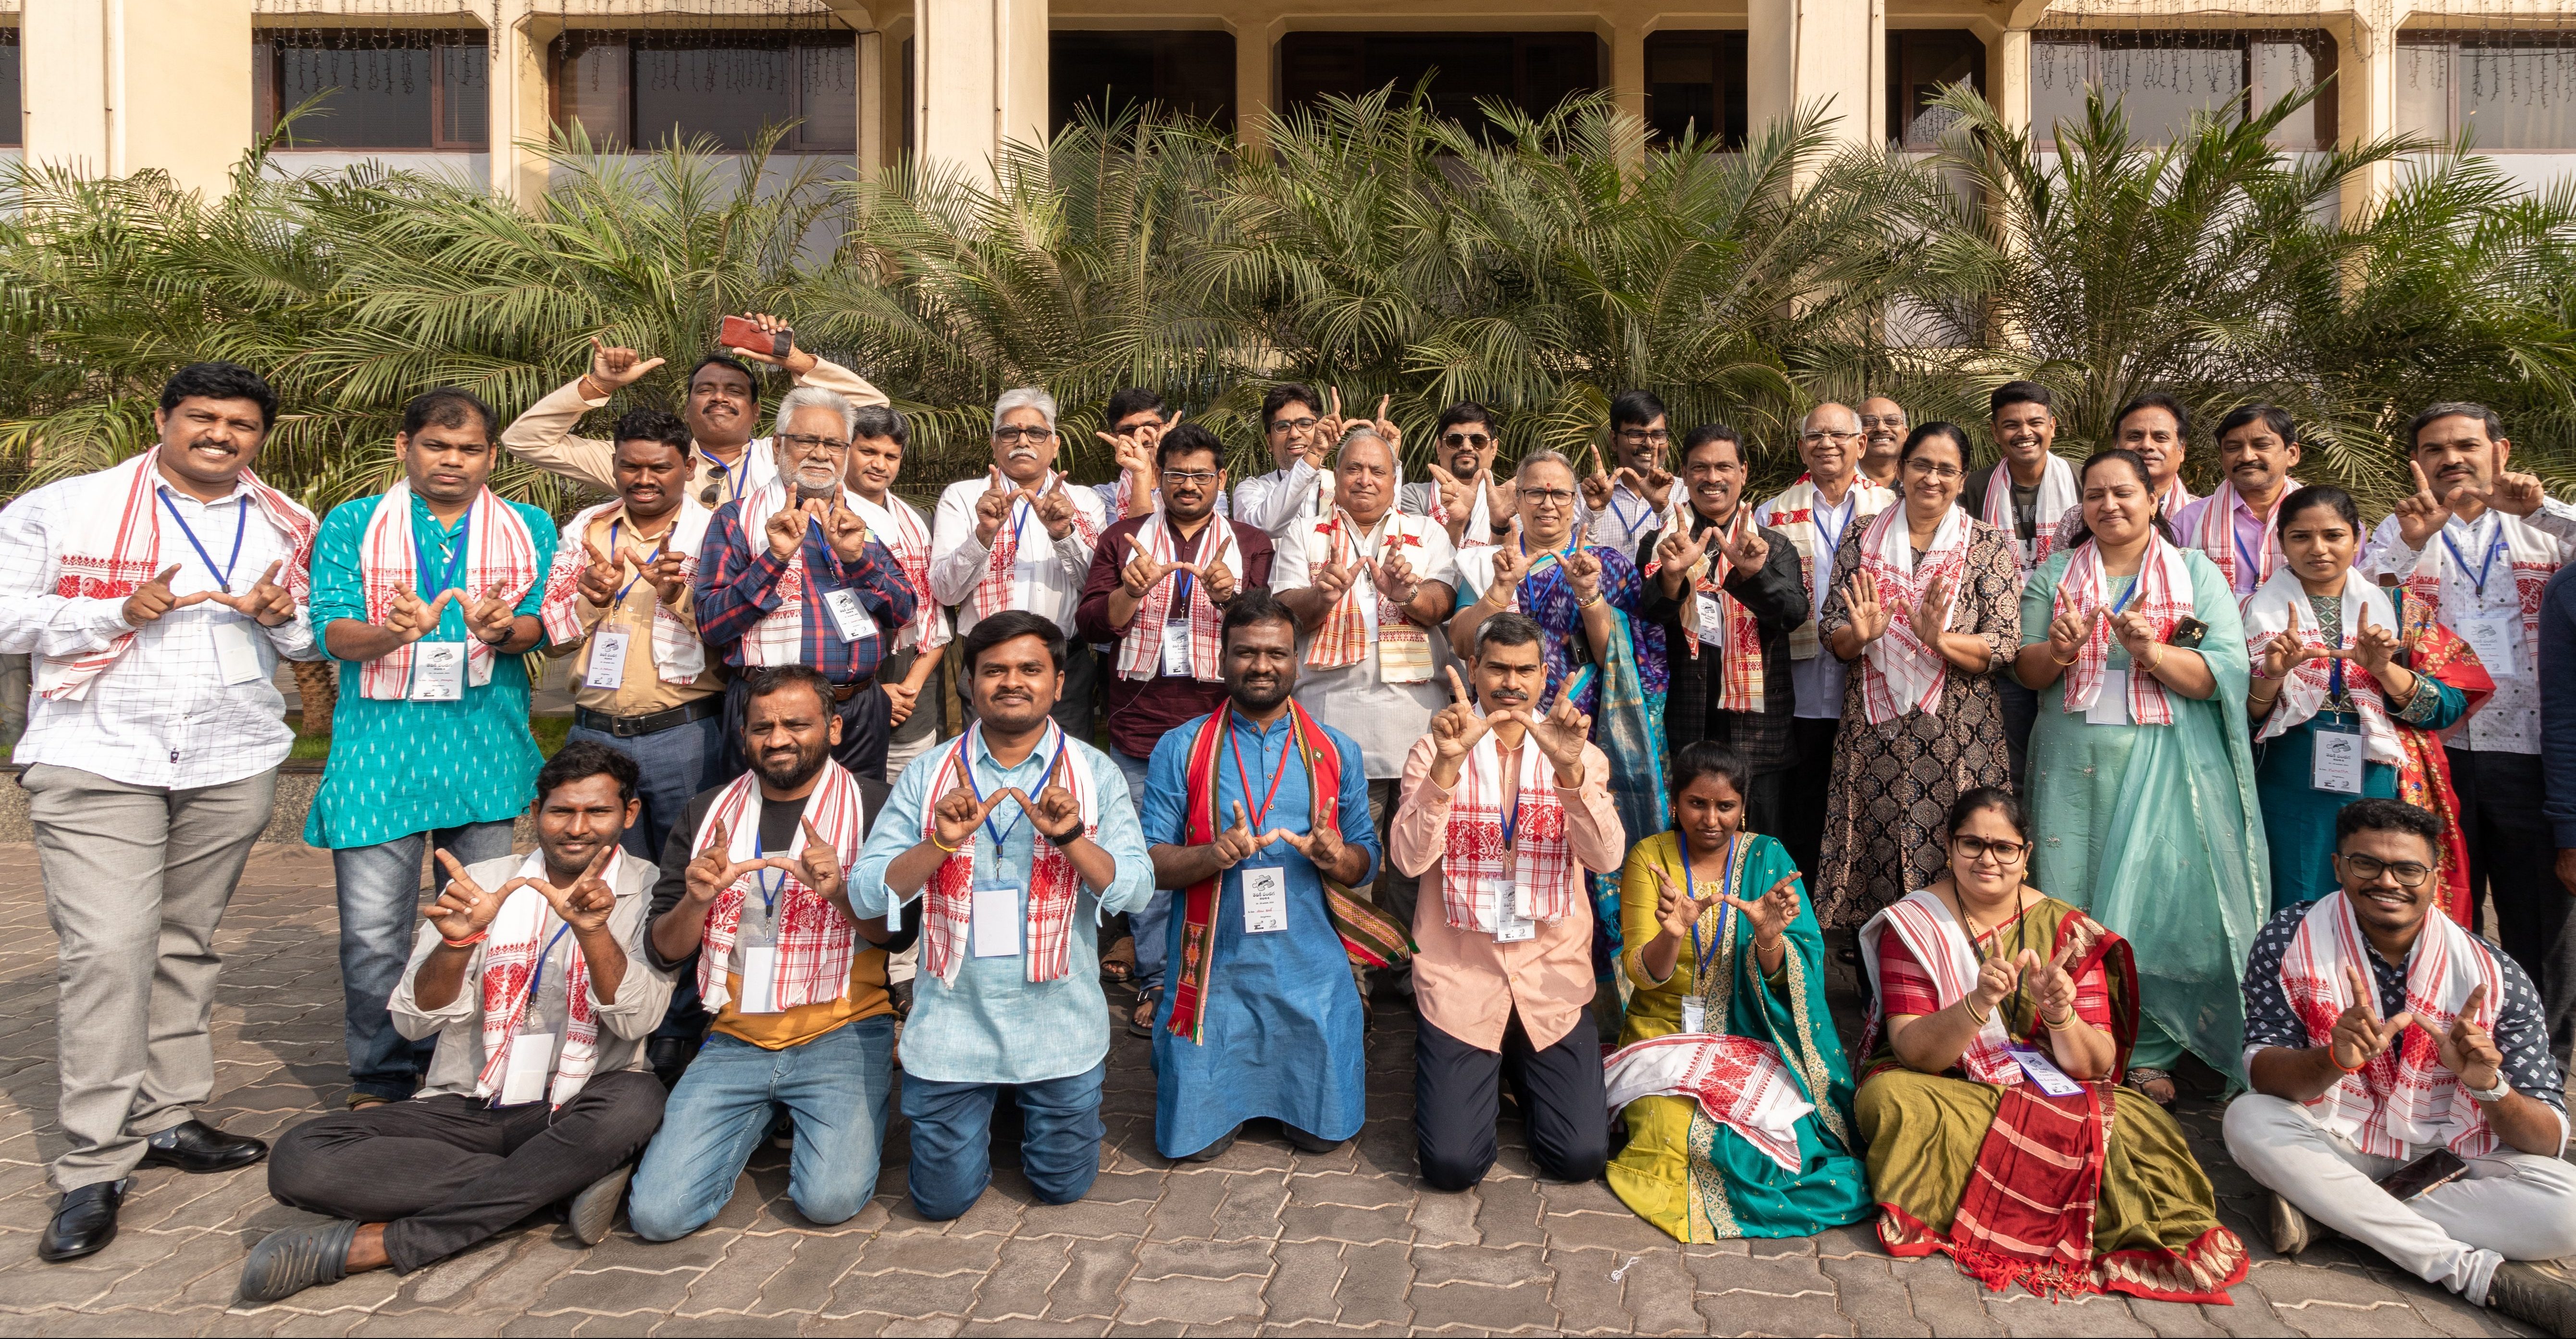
1561 497
1643 437
2368 868
1293 424
1033 436
1973 849
810 442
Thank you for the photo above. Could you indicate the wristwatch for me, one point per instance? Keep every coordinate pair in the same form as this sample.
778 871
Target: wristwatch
1068 836
2498 1093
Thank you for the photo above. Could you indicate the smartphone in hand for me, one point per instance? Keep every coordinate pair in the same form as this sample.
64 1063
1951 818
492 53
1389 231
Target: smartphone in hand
742 332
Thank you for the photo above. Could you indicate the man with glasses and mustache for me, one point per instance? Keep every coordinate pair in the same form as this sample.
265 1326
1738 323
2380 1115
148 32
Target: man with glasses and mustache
790 575
2381 1037
1463 494
721 407
1882 431
1816 514
1022 537
1624 507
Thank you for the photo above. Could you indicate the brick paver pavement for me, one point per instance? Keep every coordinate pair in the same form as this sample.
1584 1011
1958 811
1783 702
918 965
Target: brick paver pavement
1263 1239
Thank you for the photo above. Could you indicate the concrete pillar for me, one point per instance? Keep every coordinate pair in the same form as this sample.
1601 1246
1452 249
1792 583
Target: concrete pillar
522 99
1628 67
1256 37
871 67
123 86
2008 76
979 78
1829 54
2366 94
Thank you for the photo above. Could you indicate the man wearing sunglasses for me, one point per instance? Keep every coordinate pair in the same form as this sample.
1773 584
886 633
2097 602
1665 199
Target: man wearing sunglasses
721 405
2404 1091
1462 492
791 575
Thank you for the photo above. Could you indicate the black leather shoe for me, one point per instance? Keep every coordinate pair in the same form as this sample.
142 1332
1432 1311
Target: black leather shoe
288 1261
195 1146
84 1223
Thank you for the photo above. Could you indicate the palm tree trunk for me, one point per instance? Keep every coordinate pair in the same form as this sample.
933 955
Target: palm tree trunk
317 684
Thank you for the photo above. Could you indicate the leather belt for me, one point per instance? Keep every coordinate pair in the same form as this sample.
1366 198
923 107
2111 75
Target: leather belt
628 727
843 692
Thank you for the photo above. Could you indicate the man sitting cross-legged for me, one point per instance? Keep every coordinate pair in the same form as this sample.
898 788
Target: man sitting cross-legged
753 875
2378 1031
529 972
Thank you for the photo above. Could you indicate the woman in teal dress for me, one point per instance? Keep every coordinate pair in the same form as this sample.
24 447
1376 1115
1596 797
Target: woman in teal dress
2141 773
1727 1035
2330 666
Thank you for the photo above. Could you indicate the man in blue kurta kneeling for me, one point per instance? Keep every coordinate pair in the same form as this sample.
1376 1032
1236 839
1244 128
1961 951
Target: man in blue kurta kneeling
1249 812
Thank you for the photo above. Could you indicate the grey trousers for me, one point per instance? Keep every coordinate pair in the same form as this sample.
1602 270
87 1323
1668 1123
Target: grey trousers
136 879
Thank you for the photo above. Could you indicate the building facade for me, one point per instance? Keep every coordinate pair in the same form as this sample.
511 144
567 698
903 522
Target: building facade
472 88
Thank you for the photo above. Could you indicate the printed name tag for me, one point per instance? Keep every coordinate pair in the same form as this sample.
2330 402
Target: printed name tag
1265 900
1176 648
1694 1014
759 980
1512 922
848 617
236 651
1712 620
2335 758
996 919
532 1057
437 671
607 659
2112 707
2493 637
2043 1071
1403 650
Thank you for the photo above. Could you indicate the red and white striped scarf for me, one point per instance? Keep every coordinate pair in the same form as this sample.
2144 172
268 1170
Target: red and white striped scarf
2163 595
2534 556
1899 675
2282 606
2216 535
1940 945
1740 683
993 589
779 637
948 901
2403 1100
1474 857
509 960
113 548
2176 498
678 655
1793 514
502 553
1480 520
1342 639
1140 652
816 942
1737 1081
2057 495
904 534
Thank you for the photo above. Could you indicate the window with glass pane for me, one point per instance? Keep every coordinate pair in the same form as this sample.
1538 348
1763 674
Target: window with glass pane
1695 85
1186 72
2163 79
376 88
652 87
11 133
1532 71
1920 63
2517 95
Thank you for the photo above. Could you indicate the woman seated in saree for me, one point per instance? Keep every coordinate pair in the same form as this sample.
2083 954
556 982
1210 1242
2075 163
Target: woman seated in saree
1737 1096
1990 1101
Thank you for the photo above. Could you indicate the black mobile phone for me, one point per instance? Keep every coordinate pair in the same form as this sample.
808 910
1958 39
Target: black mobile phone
2437 1168
2188 633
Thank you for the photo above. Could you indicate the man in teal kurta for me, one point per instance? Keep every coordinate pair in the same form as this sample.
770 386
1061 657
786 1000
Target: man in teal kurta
426 595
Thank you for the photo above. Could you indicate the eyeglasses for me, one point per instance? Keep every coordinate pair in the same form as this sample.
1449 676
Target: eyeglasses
1642 437
1013 436
2368 868
1821 436
1559 497
810 442
1925 467
1190 476
1973 849
1293 424
1882 421
1477 440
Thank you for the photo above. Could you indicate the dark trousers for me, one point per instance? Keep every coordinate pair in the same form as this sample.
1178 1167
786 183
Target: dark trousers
446 1172
1766 801
2510 850
1802 823
2021 713
1456 1100
862 749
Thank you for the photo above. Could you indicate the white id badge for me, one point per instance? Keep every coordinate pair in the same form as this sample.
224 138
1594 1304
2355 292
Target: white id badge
437 671
532 1057
759 980
995 921
1512 923
2112 707
2493 637
1712 620
2043 1071
1694 1014
1176 649
236 652
849 618
607 659
2335 759
1265 900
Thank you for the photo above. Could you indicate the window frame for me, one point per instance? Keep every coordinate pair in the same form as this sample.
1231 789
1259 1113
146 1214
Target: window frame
2241 40
268 98
1900 108
568 45
2450 41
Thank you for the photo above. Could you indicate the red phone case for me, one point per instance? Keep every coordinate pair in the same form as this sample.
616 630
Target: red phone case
740 332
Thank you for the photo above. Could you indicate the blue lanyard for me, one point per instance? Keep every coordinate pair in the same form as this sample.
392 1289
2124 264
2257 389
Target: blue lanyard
540 973
733 474
241 522
2334 685
1834 541
455 558
1621 516
2253 564
1726 879
768 891
1512 820
1555 558
966 764
2130 594
639 571
2484 568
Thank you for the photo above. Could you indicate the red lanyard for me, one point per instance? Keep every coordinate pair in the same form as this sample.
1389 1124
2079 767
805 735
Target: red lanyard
1261 812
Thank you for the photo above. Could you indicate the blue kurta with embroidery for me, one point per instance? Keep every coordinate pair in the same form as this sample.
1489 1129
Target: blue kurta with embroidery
1284 1026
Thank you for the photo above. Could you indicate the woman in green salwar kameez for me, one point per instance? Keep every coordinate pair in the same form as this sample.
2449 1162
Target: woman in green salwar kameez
1718 941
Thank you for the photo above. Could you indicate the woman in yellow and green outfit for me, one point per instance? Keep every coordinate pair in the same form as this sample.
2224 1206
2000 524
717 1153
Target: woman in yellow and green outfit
1737 1098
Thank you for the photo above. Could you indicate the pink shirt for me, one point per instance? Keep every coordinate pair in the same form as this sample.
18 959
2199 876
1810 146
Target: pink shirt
1466 984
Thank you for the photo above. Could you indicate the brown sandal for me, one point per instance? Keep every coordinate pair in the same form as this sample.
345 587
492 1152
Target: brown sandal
1140 1023
1118 965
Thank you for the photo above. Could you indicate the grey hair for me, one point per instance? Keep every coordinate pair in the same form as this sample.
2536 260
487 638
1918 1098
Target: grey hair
1544 456
1370 432
1026 397
817 397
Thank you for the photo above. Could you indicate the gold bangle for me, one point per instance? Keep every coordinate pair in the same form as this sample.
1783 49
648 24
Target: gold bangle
1971 1006
2159 662
952 850
2059 1025
2061 664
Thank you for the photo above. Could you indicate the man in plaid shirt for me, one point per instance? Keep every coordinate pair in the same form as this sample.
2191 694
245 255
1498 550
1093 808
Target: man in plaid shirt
789 575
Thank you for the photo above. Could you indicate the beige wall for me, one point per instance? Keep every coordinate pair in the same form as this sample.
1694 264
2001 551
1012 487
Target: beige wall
123 86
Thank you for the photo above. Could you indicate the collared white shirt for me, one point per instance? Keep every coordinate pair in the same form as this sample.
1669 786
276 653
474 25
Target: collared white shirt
900 529
1048 588
161 715
1629 518
1818 679
1276 502
2509 722
1385 718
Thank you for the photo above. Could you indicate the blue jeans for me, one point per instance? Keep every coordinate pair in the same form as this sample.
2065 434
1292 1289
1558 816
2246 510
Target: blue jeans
379 893
1152 924
952 1139
834 1087
676 764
